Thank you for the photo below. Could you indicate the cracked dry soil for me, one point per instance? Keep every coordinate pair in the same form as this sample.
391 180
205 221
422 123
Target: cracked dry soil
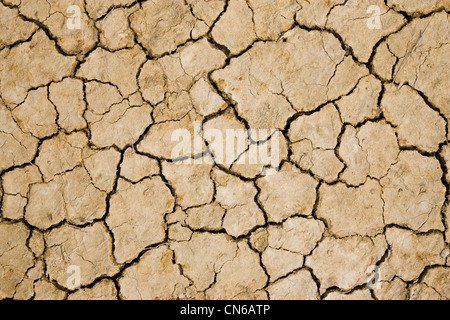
87 180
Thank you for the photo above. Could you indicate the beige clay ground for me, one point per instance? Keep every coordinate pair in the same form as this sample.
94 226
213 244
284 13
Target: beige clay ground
91 198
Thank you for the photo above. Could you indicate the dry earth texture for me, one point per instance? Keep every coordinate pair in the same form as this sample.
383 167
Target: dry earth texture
351 95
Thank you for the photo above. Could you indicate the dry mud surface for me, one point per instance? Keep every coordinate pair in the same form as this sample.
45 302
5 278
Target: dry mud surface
350 95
